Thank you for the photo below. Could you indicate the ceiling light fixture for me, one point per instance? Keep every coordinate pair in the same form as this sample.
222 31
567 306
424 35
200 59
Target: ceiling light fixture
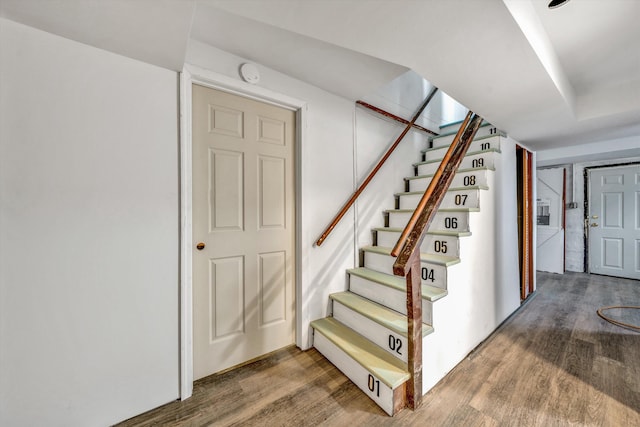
556 3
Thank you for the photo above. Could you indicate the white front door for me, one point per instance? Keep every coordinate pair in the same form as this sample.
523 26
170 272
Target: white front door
550 220
243 229
614 221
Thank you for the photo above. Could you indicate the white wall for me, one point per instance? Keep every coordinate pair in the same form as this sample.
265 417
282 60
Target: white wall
402 96
88 233
373 137
89 221
327 179
484 288
341 145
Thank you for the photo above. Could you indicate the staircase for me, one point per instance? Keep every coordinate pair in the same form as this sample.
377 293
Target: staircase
366 335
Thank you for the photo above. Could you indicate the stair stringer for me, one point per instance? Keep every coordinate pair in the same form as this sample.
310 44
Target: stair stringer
483 288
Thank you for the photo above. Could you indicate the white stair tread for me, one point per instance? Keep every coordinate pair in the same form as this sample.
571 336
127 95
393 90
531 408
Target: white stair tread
439 210
430 293
470 187
431 258
434 232
386 317
409 178
384 366
501 134
472 153
453 132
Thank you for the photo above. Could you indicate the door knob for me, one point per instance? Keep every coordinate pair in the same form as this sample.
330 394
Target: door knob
200 246
594 224
595 217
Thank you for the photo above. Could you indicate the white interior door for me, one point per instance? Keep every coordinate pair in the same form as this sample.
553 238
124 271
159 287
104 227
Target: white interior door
243 222
614 221
550 220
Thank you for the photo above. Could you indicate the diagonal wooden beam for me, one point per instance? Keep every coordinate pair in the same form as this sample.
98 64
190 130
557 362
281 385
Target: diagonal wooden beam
394 117
375 170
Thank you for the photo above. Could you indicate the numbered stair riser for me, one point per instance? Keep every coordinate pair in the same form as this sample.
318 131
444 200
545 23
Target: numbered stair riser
391 341
432 244
442 221
453 199
395 299
481 144
368 383
460 180
478 160
446 140
432 274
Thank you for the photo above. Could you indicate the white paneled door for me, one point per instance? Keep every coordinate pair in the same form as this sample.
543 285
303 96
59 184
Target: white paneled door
614 221
243 229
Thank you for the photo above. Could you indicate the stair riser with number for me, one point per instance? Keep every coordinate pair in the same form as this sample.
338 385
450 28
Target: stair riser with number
447 139
483 159
450 221
453 199
395 299
479 144
365 381
432 244
431 274
391 341
373 289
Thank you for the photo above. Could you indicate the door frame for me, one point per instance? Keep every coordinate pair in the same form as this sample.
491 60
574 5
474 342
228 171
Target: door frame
192 74
526 240
587 193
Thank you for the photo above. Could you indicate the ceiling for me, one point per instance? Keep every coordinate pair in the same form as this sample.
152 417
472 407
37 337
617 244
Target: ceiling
550 78
153 31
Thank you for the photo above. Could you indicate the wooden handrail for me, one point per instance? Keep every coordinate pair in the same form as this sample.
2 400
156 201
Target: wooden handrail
407 263
375 170
394 117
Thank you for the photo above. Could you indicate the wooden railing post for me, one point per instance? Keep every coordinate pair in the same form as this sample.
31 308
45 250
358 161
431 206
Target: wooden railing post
414 333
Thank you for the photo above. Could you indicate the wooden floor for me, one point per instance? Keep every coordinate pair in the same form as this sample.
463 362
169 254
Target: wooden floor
553 363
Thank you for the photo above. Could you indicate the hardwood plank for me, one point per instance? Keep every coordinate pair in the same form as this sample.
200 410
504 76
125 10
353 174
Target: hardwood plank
553 363
468 416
